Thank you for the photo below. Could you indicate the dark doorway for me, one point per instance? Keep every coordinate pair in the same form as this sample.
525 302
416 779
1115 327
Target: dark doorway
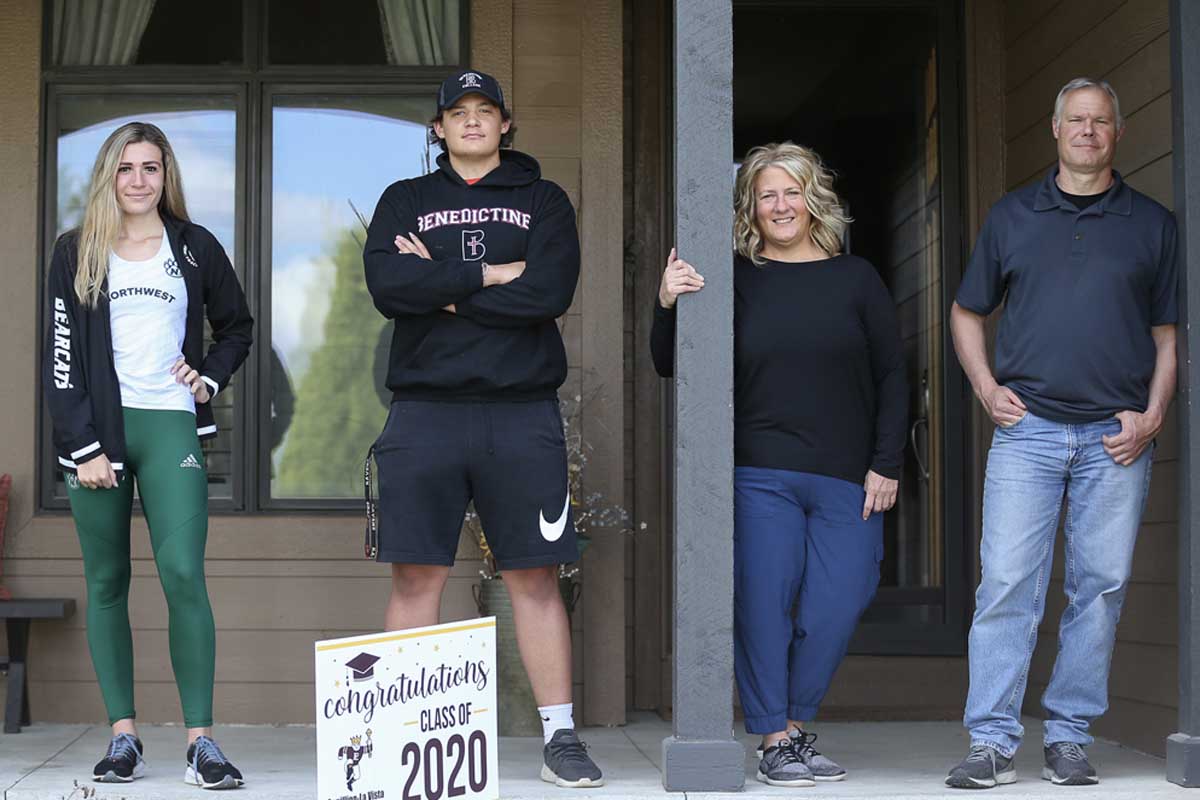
872 87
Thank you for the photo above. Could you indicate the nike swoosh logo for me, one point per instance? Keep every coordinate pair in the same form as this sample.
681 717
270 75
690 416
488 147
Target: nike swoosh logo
552 531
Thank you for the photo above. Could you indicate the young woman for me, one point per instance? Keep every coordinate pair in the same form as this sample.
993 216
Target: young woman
130 388
820 406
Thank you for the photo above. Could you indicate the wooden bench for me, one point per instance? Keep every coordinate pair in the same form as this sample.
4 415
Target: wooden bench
18 614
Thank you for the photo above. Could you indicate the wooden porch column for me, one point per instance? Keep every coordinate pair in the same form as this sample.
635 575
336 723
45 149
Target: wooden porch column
1183 748
702 755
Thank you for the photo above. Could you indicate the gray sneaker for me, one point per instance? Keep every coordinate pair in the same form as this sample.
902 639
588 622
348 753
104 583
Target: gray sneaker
822 767
123 762
1067 765
567 763
983 768
781 765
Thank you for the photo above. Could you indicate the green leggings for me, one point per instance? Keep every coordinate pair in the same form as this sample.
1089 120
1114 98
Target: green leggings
163 454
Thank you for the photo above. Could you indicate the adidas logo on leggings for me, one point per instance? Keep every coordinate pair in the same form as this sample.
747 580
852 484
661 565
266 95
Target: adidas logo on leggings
190 462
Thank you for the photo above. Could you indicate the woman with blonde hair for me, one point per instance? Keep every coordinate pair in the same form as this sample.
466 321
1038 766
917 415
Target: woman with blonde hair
129 386
820 406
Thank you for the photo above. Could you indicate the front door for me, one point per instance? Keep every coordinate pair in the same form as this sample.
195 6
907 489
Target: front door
872 87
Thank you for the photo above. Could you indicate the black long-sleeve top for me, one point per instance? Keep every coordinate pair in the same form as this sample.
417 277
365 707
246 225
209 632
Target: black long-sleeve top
819 375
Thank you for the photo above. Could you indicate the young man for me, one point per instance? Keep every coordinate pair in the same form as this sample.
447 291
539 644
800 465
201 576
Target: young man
1085 370
474 263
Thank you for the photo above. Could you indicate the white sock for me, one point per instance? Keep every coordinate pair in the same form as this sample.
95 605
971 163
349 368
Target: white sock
555 718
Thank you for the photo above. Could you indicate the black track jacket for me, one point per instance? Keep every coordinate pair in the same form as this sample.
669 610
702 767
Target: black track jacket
502 343
78 376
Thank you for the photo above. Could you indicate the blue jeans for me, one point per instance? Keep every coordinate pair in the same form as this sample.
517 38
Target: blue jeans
806 566
1031 466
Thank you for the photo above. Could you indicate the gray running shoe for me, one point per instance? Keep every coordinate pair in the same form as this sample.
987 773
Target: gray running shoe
1067 765
123 762
208 767
822 767
983 768
781 765
567 762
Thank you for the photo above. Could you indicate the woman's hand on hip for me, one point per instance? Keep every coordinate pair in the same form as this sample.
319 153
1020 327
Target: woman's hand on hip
678 278
881 493
97 473
191 379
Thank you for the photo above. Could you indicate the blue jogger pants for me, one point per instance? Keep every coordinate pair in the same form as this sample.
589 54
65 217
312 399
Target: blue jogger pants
806 565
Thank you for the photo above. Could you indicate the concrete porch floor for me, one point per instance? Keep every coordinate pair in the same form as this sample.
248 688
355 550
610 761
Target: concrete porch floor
896 760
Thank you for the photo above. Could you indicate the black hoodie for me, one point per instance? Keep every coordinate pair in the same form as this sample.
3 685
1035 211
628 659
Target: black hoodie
502 342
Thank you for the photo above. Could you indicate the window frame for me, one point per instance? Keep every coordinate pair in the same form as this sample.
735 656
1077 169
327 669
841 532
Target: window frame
253 83
48 234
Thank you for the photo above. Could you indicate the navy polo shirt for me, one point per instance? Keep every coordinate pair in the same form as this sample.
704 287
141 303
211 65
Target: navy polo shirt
1081 290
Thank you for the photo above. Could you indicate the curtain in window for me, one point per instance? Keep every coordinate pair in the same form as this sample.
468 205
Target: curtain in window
420 31
99 32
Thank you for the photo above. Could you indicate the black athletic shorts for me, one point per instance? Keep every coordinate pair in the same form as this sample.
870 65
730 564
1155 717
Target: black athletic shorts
510 458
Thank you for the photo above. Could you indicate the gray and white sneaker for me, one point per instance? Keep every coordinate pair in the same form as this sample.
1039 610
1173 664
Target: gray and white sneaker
566 762
1067 765
208 767
123 762
822 767
781 765
983 768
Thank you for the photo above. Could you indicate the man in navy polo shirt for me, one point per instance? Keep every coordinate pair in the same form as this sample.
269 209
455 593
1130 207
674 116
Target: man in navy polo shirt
1085 371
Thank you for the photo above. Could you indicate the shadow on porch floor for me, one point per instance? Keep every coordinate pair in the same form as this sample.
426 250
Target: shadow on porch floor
893 760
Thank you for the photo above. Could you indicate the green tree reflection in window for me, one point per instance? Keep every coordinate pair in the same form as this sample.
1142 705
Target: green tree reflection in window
326 333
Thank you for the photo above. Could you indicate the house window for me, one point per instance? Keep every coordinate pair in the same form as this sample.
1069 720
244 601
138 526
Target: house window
331 158
288 120
94 33
399 32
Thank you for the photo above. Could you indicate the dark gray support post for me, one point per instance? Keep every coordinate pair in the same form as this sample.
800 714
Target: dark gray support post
1183 748
703 755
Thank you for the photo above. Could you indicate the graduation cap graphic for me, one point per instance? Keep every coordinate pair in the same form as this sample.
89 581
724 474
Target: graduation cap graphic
363 666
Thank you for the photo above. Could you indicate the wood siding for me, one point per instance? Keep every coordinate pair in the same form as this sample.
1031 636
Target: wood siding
20 108
1125 42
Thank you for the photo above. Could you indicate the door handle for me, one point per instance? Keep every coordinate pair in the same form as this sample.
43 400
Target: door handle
922 470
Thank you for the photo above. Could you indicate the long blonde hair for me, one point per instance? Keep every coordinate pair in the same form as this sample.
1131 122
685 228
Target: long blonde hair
102 216
829 220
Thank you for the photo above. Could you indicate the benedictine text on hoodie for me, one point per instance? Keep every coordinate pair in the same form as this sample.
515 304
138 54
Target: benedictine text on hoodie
502 342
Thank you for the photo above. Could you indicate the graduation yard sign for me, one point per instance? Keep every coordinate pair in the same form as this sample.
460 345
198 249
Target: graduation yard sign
408 714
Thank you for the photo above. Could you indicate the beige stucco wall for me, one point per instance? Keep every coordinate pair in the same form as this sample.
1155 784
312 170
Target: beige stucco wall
278 582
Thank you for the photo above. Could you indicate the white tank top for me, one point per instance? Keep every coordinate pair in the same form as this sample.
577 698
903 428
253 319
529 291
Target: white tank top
148 315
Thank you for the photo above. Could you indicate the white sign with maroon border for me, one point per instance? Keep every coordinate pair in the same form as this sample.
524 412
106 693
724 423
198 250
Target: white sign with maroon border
408 715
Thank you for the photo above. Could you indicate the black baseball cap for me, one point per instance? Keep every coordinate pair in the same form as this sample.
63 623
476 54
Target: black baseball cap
469 81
